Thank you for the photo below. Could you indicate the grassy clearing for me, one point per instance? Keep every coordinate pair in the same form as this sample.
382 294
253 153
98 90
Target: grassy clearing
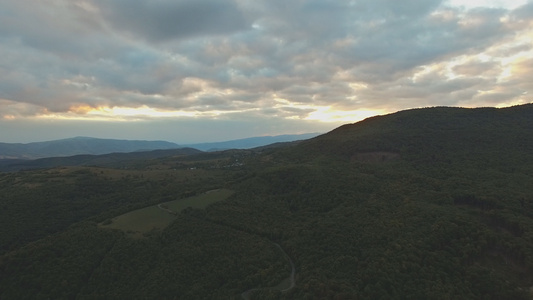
199 201
157 217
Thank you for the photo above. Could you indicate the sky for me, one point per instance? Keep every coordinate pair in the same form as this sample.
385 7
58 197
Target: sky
190 71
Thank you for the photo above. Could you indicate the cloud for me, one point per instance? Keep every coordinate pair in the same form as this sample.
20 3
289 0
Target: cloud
275 60
477 68
164 20
524 13
70 29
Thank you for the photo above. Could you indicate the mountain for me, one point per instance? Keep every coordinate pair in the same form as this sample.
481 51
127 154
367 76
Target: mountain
252 142
103 160
96 146
117 158
431 134
432 203
78 145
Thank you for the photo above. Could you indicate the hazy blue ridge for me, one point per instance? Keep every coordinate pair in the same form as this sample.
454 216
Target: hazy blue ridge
252 142
96 146
78 145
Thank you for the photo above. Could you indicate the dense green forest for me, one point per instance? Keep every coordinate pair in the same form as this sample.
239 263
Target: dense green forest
432 203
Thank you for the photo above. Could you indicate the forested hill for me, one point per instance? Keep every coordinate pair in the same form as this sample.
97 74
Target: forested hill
433 203
419 133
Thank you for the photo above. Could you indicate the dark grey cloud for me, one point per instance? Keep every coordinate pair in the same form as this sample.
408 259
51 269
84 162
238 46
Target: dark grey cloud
164 20
524 13
69 29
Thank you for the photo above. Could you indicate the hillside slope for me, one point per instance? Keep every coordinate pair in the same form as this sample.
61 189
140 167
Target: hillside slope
252 142
417 133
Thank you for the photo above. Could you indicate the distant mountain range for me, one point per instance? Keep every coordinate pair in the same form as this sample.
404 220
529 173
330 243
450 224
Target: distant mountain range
96 146
76 146
252 142
115 160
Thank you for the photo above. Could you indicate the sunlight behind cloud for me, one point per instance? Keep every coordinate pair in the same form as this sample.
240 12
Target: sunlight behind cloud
114 114
143 111
326 114
139 113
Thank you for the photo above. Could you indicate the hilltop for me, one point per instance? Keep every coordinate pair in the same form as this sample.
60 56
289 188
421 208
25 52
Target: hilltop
430 203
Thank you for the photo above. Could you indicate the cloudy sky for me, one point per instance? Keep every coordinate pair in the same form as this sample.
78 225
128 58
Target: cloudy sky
211 70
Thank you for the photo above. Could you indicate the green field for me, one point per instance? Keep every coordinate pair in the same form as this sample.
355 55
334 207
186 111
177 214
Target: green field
141 221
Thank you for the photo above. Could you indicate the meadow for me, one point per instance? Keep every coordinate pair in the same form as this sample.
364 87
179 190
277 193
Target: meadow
157 217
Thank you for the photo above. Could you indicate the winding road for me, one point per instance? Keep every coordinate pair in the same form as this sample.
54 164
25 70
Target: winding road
246 295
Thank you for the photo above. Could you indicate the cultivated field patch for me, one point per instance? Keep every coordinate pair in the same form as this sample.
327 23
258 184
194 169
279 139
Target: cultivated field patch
157 217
